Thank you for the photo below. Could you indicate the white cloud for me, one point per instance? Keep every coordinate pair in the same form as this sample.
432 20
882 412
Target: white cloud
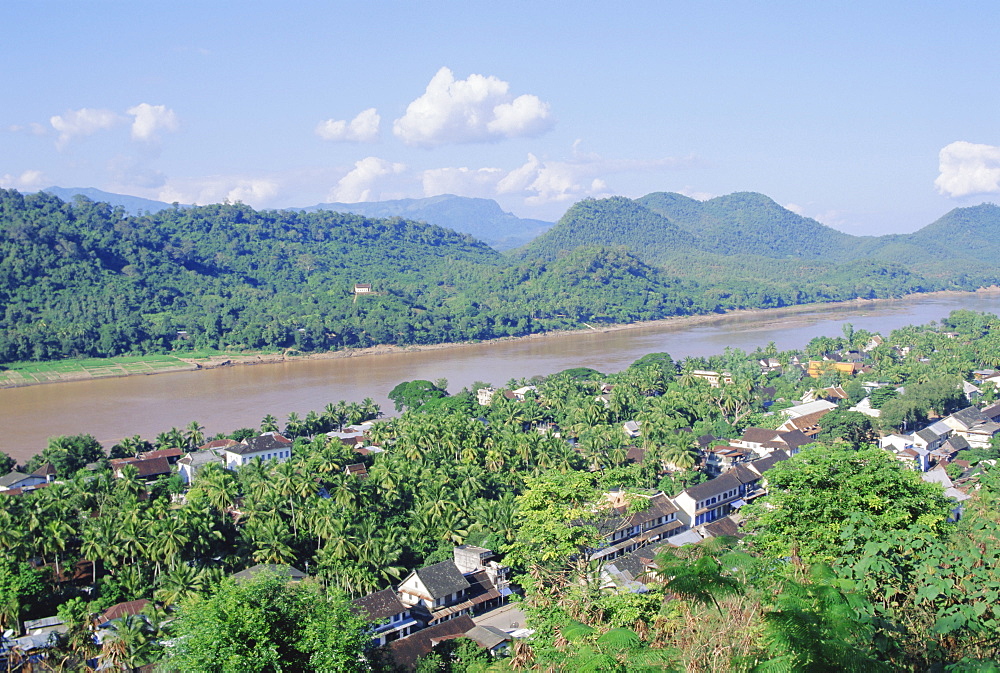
82 122
557 181
34 128
150 119
29 180
361 129
477 109
257 192
358 184
471 182
698 195
968 168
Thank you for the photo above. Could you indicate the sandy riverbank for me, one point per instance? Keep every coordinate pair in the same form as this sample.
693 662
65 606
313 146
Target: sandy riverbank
677 322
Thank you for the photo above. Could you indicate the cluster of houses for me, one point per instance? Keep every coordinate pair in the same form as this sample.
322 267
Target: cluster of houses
437 602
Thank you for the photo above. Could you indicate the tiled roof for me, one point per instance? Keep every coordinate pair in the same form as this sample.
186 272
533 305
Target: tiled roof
266 442
152 467
406 651
380 606
119 610
12 478
442 579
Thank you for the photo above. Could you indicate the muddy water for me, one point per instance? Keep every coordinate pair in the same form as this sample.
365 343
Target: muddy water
228 398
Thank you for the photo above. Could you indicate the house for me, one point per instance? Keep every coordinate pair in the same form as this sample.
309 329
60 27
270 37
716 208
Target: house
490 638
470 583
632 428
818 368
764 441
389 618
715 379
147 469
362 288
46 472
808 425
172 455
873 343
625 532
964 419
808 408
939 476
190 464
521 393
268 446
485 396
430 590
722 458
356 470
20 480
930 438
405 652
719 497
119 611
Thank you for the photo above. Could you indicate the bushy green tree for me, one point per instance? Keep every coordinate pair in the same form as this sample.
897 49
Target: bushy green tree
267 624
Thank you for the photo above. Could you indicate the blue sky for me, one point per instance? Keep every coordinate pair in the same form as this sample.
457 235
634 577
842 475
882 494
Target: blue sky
870 117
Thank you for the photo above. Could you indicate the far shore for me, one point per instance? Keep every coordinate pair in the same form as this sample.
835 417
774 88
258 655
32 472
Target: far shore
245 359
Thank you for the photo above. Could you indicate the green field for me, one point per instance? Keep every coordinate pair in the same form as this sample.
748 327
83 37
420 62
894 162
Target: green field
26 373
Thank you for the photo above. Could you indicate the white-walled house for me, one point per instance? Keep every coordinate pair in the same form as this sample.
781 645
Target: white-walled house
268 446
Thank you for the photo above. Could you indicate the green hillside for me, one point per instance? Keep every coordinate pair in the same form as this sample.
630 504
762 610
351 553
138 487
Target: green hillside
86 279
615 221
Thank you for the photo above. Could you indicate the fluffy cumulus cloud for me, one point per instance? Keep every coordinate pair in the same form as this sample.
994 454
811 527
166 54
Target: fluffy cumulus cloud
968 168
478 109
258 192
541 181
462 181
361 129
82 122
365 180
150 120
27 181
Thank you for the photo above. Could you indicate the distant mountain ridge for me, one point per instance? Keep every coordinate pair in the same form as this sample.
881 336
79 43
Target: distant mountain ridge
480 218
133 205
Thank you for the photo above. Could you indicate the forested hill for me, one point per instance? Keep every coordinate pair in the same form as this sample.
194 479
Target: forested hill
88 279
744 229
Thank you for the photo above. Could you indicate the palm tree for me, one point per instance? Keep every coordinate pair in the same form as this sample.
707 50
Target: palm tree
269 424
56 538
178 583
129 645
193 435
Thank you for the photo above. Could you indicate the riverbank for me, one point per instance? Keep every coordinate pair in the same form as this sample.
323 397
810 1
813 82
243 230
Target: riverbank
32 374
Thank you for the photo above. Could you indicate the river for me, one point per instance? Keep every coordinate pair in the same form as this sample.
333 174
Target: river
234 397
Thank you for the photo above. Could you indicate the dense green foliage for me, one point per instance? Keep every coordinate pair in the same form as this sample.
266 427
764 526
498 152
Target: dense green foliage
85 279
267 624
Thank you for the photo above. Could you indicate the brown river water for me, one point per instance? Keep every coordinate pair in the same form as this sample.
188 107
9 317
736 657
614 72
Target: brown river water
234 397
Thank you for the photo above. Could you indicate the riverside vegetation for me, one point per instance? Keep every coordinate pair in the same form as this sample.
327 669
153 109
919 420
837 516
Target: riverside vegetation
880 582
87 280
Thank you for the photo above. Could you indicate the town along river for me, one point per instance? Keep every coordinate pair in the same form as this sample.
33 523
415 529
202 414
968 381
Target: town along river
228 398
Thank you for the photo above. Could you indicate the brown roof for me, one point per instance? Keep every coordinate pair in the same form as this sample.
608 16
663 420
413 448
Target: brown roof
46 470
119 610
406 651
151 467
357 470
163 453
219 444
380 606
